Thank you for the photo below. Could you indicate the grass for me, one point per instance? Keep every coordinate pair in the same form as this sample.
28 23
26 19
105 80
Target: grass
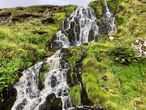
26 41
111 84
114 78
75 95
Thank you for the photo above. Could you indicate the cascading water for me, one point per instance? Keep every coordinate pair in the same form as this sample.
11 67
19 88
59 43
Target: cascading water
109 21
62 40
81 23
27 89
79 28
29 97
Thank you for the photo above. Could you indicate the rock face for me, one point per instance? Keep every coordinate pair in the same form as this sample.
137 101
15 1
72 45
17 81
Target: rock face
77 77
48 20
9 96
140 47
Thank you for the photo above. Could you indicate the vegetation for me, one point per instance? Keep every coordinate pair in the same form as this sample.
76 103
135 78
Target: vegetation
112 75
114 78
24 39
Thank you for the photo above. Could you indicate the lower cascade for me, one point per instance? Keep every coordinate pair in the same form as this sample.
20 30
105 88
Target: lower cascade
29 97
75 31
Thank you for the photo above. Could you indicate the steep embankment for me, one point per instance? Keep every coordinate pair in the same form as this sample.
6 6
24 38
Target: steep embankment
25 35
111 75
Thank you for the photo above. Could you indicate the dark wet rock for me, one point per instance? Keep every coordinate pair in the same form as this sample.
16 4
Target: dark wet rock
64 64
41 32
70 32
48 20
52 103
80 27
53 81
56 45
9 96
20 106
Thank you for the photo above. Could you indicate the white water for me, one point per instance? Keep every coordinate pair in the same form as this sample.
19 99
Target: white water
62 39
110 21
27 89
29 96
81 22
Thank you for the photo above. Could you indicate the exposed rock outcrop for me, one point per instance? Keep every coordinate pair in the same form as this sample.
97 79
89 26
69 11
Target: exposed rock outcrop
140 47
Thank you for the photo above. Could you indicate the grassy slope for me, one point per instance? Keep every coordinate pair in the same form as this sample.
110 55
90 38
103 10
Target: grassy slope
113 77
24 41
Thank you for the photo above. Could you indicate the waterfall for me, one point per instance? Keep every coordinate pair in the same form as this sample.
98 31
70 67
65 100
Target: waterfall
29 97
62 40
80 24
79 28
27 88
109 21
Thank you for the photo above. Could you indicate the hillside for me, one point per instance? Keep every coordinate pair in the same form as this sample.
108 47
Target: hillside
112 75
25 36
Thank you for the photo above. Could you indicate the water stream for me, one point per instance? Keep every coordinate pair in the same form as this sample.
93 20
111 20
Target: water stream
78 29
109 21
80 24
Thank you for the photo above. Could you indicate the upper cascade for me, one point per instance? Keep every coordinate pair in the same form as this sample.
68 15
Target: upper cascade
79 28
109 21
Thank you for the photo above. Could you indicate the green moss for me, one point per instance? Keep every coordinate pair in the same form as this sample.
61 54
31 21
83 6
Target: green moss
43 72
113 85
75 95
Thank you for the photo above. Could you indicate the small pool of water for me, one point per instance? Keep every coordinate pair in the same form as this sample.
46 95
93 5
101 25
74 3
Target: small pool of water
16 3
